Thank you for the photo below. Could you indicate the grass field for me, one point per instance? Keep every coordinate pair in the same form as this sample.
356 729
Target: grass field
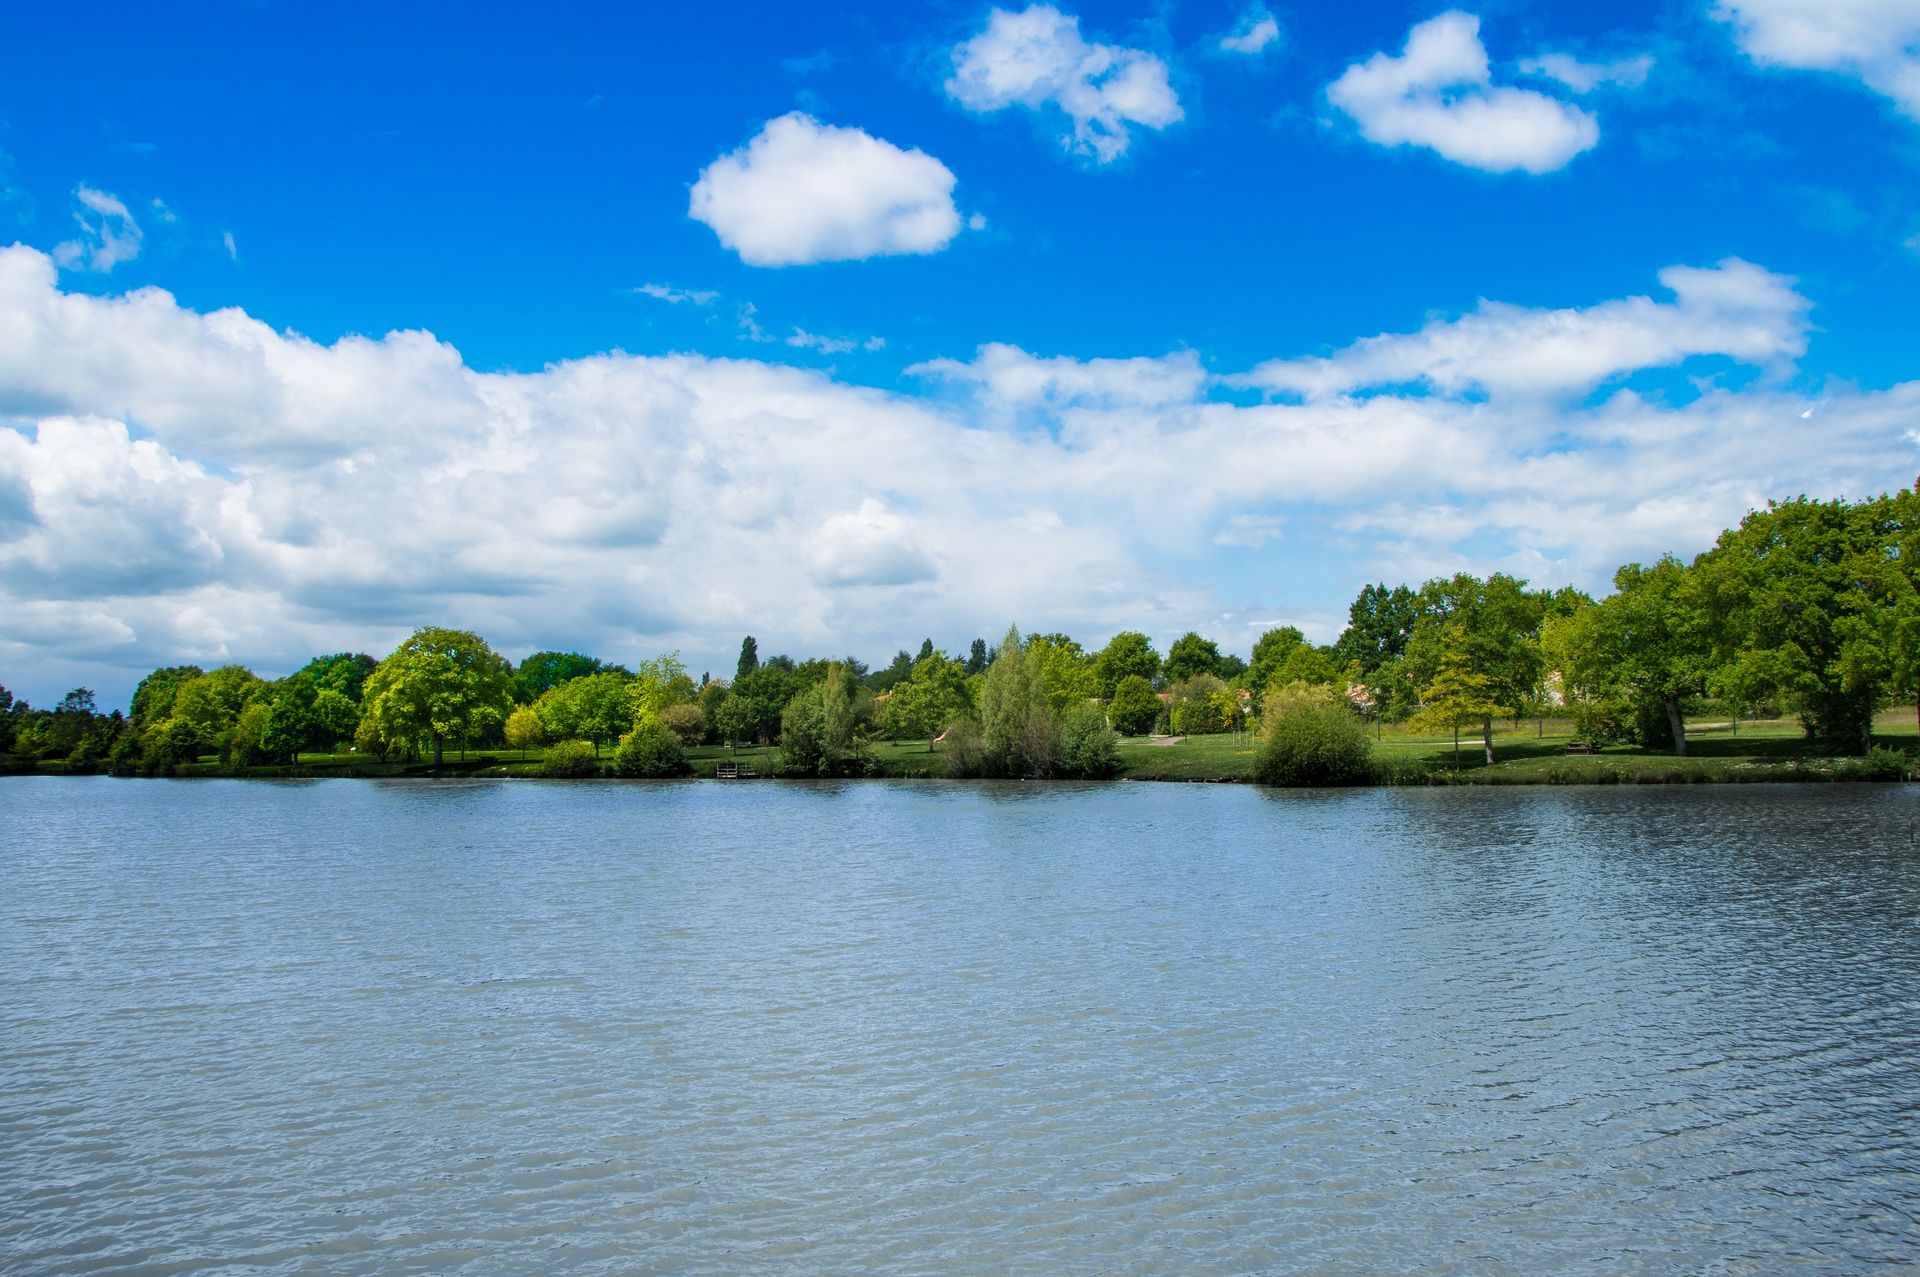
1532 752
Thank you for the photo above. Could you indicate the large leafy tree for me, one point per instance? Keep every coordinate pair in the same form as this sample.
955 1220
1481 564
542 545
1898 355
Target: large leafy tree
342 672
1459 692
1804 597
924 704
1650 643
1190 655
1134 708
1487 629
440 683
1063 673
1379 625
598 708
544 671
1128 652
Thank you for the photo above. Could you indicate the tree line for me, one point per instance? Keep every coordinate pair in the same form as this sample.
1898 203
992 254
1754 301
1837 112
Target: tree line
1807 607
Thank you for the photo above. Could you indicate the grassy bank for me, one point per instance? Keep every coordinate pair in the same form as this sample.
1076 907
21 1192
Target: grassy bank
1531 753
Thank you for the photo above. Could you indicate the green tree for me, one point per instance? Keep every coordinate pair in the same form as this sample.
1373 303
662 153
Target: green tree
1270 651
1650 643
1198 707
1088 747
1128 652
1803 599
818 735
440 683
1019 734
1063 673
596 708
524 729
1190 655
544 671
650 752
749 658
977 657
209 706
343 672
1379 625
924 704
1490 629
1134 708
1459 694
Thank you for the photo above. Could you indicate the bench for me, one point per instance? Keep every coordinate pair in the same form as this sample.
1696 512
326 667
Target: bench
1580 747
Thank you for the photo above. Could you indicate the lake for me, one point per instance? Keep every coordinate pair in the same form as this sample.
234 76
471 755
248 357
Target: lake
516 1027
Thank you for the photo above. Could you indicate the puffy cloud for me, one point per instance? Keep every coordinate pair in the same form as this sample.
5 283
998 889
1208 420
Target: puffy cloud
1254 32
1011 378
869 546
108 233
1585 77
1874 41
1439 93
1038 59
306 497
801 191
1735 309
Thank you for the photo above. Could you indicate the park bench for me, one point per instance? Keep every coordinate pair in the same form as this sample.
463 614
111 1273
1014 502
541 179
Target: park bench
1580 747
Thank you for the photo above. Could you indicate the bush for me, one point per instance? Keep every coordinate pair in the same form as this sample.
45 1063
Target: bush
651 751
1088 746
1134 708
966 748
685 722
570 759
1882 763
1312 737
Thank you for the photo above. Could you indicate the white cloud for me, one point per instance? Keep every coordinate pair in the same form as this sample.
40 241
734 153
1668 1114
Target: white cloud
1012 378
1439 93
1038 59
1585 77
185 486
1734 309
1874 41
226 241
801 191
1255 31
869 546
675 296
108 233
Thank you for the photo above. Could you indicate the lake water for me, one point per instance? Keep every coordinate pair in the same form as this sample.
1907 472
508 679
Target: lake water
345 1027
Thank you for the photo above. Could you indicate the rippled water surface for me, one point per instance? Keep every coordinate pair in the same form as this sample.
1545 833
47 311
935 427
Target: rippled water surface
349 1027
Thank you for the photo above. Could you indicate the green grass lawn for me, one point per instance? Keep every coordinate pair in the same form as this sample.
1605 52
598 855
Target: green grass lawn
1531 752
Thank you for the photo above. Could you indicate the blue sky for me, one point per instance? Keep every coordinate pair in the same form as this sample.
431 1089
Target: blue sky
847 329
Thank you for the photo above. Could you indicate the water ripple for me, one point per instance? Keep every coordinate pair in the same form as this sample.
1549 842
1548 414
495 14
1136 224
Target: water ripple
513 1028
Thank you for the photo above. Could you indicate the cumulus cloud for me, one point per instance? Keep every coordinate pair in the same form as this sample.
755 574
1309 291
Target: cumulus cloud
1585 77
801 191
1439 93
1874 41
869 546
177 485
1255 31
108 233
1038 59
1734 309
1011 378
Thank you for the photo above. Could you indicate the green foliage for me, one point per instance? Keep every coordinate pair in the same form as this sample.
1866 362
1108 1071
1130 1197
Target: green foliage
818 735
686 722
1191 655
1379 625
592 707
570 760
650 751
934 696
1199 708
1088 747
1020 736
1646 648
1311 737
439 684
153 699
1063 674
1270 651
544 671
749 658
1815 602
524 728
1134 708
343 672
1881 763
755 703
1127 653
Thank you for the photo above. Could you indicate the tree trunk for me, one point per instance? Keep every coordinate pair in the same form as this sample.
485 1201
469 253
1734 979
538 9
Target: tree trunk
1677 723
436 749
1456 747
1486 737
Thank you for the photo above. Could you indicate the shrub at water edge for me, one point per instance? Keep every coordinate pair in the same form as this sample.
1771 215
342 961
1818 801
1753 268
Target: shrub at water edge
1311 737
650 751
570 759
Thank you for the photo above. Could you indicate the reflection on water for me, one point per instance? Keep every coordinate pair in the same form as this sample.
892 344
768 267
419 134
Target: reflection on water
508 1028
